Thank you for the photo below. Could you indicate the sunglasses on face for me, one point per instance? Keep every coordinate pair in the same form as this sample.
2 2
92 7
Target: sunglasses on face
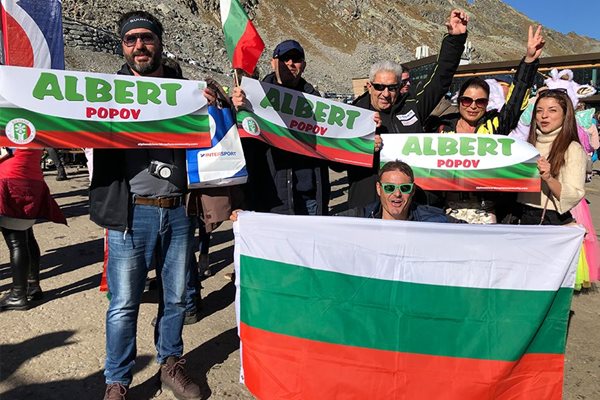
295 57
131 39
405 82
466 101
404 188
380 87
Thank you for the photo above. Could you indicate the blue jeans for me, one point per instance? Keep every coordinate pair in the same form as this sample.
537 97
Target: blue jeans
193 286
169 232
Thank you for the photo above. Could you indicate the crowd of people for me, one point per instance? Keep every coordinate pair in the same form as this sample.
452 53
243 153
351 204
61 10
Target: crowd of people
151 221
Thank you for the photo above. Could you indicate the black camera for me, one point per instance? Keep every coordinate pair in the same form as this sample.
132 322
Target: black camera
160 170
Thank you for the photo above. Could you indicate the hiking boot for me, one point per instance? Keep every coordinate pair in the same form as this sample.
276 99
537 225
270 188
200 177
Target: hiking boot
115 391
174 377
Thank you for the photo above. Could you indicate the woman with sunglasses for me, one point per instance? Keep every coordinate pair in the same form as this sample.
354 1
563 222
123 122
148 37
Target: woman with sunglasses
473 117
473 97
562 162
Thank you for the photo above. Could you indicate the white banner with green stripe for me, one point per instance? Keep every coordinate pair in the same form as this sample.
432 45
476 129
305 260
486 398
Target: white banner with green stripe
307 124
466 162
64 109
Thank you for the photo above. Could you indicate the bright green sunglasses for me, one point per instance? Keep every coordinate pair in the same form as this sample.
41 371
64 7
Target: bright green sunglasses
404 188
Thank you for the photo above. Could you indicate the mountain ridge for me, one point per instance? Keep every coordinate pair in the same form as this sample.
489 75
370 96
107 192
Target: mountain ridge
342 38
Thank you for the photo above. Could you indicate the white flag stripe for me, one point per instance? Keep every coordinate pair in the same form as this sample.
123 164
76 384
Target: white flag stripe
225 6
477 256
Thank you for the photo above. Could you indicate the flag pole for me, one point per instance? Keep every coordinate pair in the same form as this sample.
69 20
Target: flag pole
235 77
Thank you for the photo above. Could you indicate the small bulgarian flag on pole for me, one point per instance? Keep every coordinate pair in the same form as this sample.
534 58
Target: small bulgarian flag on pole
242 41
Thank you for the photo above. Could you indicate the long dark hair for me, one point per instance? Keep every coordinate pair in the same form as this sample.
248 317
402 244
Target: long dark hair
567 135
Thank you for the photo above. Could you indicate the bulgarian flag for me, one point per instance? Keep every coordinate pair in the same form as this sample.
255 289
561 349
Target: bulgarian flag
242 41
353 308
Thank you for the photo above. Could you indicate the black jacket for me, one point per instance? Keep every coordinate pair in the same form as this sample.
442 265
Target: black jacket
406 116
416 212
110 197
280 181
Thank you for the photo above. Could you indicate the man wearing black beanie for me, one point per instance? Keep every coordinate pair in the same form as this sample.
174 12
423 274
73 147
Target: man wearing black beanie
138 196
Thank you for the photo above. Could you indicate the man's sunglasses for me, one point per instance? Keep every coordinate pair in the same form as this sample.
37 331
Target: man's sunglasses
130 40
380 87
296 57
404 188
466 101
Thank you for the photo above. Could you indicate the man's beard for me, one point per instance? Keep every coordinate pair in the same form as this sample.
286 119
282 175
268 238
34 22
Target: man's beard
143 68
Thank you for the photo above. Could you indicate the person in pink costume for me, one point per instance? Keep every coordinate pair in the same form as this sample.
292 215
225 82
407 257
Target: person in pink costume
24 198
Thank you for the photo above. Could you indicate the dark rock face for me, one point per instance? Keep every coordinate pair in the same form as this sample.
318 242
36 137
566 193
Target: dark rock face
342 38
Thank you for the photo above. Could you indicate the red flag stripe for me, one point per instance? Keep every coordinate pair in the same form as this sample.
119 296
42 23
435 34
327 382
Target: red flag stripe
17 48
248 49
273 363
298 147
480 184
67 139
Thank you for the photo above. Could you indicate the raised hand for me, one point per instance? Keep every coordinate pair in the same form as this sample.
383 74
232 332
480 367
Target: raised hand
544 167
457 22
535 43
238 98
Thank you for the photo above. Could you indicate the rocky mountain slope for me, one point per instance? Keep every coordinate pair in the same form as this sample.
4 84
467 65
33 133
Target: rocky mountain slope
341 37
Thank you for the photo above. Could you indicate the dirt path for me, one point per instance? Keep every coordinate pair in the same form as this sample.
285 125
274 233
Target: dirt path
56 350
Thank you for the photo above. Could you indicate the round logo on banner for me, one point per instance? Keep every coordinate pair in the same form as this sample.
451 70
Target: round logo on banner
20 131
251 126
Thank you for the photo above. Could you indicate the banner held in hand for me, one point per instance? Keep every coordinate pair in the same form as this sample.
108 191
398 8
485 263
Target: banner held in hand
63 109
306 124
466 162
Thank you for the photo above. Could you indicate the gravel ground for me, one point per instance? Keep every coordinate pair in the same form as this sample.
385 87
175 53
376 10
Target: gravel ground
56 350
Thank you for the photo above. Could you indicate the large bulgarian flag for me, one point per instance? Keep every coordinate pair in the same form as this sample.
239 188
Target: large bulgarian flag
352 308
242 42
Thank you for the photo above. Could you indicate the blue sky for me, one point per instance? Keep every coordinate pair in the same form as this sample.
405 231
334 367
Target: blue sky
579 16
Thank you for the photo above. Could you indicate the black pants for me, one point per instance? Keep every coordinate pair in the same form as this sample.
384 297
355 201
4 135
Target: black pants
24 256
528 215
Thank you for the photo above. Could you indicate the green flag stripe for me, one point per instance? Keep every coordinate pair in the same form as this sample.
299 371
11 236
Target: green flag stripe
329 307
234 27
356 145
183 124
517 171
